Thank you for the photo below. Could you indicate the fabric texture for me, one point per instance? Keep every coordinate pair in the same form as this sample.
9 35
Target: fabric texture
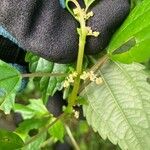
49 31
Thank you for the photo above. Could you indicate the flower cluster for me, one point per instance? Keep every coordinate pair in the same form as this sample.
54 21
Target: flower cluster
70 79
76 114
85 75
78 13
90 75
92 33
83 12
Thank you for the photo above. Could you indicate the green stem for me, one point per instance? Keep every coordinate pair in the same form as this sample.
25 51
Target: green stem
82 41
72 138
48 142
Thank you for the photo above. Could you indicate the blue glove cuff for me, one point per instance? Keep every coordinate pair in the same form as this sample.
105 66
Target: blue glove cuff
6 34
62 3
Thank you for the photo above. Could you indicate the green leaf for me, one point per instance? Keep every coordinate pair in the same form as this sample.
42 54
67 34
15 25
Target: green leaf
10 82
36 108
48 85
9 140
137 27
57 131
119 108
30 124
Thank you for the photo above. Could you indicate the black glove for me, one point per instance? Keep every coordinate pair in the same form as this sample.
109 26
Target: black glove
46 29
55 104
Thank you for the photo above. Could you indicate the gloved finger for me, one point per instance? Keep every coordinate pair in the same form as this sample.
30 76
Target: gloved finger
42 27
108 16
49 31
55 104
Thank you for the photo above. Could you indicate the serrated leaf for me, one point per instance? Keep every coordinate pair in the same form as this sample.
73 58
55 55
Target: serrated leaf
10 140
119 109
36 109
10 81
137 27
48 85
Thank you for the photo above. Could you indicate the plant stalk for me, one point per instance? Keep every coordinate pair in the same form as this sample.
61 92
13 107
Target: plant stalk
82 40
72 138
74 93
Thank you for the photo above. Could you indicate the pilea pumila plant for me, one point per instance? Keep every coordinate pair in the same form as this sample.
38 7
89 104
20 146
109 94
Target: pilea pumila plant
81 15
113 89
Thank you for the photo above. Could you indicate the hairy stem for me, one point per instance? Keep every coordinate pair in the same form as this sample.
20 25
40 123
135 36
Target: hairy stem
82 41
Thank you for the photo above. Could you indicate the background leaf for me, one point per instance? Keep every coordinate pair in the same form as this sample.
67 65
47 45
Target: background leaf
36 108
9 140
48 85
10 81
136 26
119 109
